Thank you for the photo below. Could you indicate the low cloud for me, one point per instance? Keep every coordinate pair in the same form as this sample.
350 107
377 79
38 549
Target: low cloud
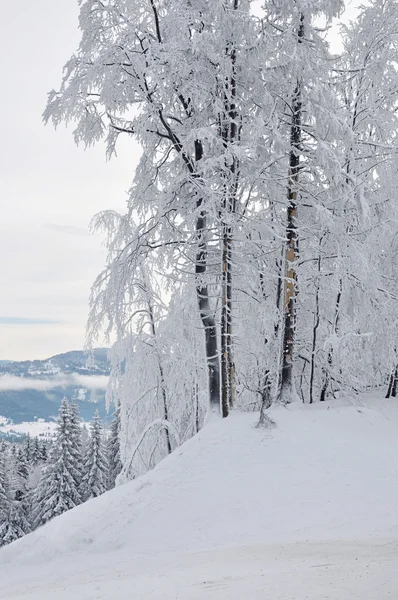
12 383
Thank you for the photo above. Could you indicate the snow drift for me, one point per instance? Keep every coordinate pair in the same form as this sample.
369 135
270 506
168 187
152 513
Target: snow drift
324 480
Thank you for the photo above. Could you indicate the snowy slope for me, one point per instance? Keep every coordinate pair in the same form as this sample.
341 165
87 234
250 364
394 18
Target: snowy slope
306 510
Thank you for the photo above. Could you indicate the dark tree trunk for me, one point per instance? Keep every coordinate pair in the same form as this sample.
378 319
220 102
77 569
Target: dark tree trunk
196 396
207 315
327 371
291 250
227 375
315 331
230 132
390 385
202 293
394 385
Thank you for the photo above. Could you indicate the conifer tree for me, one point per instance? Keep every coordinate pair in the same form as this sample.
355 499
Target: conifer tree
15 525
43 453
4 500
22 475
114 461
76 441
95 465
36 452
13 516
28 448
58 491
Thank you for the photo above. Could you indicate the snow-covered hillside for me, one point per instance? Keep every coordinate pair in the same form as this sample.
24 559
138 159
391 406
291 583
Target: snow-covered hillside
307 510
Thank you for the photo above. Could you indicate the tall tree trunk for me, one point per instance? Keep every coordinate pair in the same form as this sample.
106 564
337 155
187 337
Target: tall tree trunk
291 249
207 315
227 374
327 371
315 328
390 385
202 293
230 134
161 371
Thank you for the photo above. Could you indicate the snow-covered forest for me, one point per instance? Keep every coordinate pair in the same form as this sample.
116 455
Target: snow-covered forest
256 260
249 299
41 480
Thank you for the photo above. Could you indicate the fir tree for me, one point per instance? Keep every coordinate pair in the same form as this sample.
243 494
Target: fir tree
28 448
4 505
76 441
43 453
36 453
85 439
13 521
95 465
57 491
22 475
15 525
4 501
113 446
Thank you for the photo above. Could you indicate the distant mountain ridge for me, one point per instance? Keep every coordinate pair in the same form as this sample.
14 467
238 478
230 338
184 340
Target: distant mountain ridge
33 389
75 361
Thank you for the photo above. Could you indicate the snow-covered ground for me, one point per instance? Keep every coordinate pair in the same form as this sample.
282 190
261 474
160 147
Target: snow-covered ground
307 510
45 430
40 428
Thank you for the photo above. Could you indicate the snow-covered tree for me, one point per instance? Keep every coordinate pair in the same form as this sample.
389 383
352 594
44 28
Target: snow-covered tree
94 482
13 509
4 500
113 450
58 490
76 442
16 524
28 446
36 454
256 257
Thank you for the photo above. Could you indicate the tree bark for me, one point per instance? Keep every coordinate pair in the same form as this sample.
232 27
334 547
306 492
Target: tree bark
390 384
291 249
315 329
328 369
230 134
393 384
202 293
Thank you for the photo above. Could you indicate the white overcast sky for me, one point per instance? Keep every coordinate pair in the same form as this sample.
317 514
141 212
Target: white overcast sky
49 189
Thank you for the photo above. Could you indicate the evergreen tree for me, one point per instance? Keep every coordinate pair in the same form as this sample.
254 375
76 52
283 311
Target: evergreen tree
36 453
57 491
76 441
15 525
43 452
22 475
28 448
4 505
113 446
95 465
4 500
13 521
85 439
